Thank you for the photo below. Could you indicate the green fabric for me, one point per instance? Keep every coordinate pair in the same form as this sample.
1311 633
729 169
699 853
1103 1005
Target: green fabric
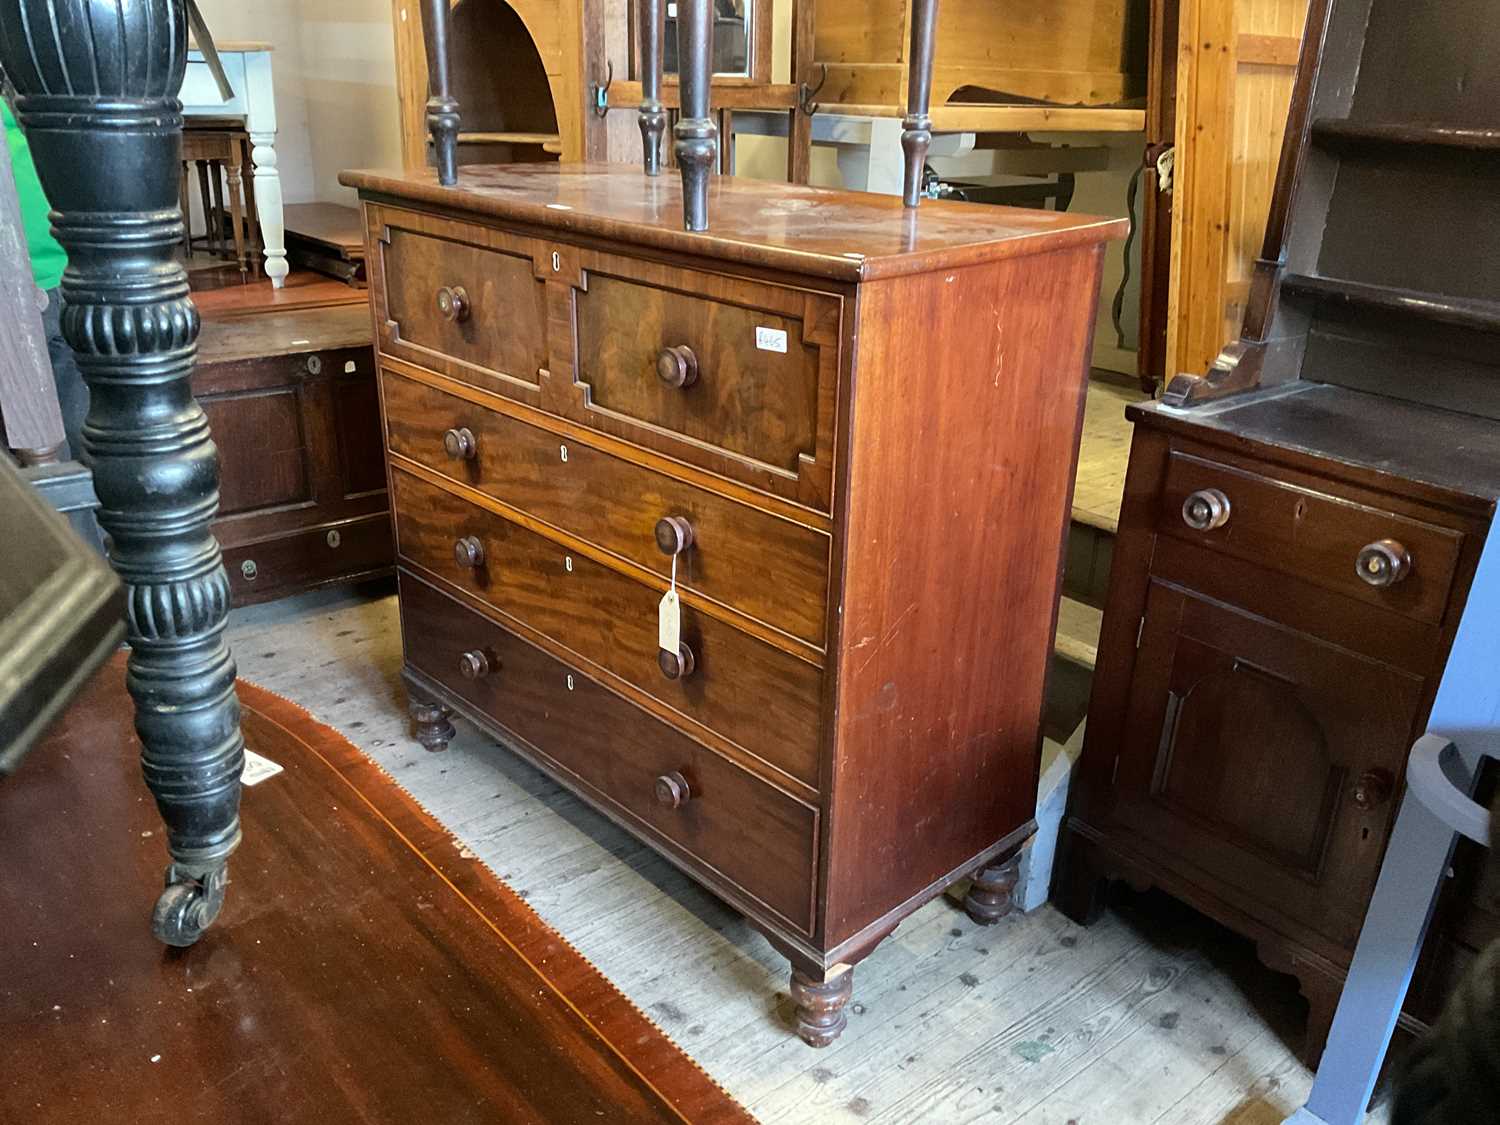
48 259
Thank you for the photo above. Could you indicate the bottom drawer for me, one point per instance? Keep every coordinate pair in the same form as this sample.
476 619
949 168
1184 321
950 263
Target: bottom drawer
741 829
298 560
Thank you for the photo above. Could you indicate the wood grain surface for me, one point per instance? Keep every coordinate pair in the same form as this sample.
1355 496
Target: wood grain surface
851 236
365 969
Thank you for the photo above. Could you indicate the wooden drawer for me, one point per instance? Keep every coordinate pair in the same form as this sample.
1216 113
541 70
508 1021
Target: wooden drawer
1313 535
768 568
747 691
494 335
301 559
759 401
737 828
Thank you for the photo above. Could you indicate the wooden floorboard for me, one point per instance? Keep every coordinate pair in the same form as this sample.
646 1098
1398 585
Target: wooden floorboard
365 967
1153 1015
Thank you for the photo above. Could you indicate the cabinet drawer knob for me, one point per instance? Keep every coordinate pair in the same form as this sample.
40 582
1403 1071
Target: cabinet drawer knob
1372 789
1383 563
677 366
468 551
453 303
474 663
1206 509
672 790
677 665
459 444
673 535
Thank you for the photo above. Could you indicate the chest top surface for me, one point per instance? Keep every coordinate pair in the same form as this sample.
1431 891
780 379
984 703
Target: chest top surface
849 236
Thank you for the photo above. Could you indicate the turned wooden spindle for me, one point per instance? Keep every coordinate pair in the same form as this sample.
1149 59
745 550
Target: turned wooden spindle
916 127
97 93
653 115
695 136
442 106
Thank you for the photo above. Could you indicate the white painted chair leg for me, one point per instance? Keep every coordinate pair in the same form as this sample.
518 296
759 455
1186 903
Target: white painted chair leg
260 123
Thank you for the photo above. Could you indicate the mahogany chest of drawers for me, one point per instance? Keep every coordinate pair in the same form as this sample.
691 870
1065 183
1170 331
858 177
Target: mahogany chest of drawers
844 434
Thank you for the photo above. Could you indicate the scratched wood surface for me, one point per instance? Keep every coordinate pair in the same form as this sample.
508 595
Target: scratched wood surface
1150 1016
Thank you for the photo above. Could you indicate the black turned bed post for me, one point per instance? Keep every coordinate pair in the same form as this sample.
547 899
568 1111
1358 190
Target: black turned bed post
695 135
916 131
653 115
442 106
97 84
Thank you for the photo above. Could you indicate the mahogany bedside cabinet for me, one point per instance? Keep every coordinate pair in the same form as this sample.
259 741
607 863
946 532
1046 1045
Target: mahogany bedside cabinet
1301 525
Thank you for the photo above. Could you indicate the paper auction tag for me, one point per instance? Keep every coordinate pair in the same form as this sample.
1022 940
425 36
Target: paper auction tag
669 622
669 617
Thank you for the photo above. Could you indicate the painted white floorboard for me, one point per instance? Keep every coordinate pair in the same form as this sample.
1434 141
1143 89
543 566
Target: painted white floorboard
1140 1018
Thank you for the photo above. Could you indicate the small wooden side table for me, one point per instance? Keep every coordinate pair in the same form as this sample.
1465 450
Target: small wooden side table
211 149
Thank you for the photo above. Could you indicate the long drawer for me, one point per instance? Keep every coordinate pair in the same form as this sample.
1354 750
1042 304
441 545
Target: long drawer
750 692
715 815
768 568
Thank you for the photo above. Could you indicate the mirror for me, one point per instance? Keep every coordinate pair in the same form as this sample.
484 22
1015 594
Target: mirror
731 38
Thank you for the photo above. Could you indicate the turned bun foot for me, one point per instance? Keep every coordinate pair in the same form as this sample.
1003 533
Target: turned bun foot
820 1006
431 725
990 895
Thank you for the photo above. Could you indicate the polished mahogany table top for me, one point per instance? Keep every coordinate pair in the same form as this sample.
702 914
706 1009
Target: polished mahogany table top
851 236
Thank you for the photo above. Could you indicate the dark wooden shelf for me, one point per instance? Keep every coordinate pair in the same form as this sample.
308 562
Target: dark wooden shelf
1465 312
1338 132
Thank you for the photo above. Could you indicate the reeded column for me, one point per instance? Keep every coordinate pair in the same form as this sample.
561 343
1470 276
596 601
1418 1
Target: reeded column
97 82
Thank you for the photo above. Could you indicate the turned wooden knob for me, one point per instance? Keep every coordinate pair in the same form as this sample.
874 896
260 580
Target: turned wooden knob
1383 563
677 665
459 444
673 535
468 551
474 663
672 790
453 303
1372 789
677 366
1206 509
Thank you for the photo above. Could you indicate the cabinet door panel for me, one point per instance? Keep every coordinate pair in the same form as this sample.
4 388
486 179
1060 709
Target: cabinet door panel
1246 744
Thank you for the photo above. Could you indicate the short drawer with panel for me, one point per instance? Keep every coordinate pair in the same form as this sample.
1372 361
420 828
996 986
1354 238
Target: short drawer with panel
442 292
735 376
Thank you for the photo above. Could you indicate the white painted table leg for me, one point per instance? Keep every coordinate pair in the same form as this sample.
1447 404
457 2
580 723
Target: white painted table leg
260 121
